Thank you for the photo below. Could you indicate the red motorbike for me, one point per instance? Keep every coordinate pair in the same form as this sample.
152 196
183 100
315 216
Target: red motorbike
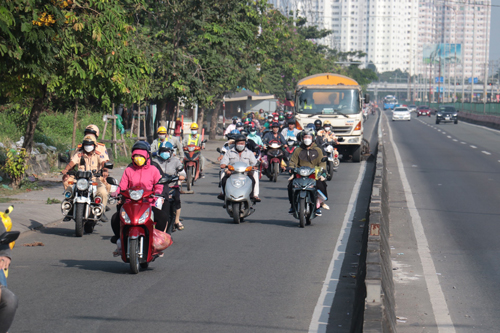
137 228
192 164
272 160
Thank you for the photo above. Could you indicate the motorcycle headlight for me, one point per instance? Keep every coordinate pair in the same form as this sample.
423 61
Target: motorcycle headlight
124 216
144 216
68 194
329 149
304 172
191 148
238 183
455 115
82 184
136 195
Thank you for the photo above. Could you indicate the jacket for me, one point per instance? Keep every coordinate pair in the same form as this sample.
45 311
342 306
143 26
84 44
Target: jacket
175 141
255 138
270 136
146 176
307 157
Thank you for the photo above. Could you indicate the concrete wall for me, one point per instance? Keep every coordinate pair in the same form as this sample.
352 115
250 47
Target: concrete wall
480 119
379 313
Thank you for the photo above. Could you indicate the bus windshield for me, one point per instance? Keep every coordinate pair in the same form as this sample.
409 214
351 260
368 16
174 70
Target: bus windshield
328 101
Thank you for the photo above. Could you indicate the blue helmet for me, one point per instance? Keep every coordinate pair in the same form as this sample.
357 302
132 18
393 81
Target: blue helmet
235 131
165 146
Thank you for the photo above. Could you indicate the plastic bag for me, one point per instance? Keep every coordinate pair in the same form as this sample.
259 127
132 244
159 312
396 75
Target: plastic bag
161 240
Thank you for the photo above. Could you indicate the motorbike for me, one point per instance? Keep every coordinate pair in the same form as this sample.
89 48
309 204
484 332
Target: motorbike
161 199
137 226
292 144
304 195
272 161
192 164
81 202
333 161
8 237
237 192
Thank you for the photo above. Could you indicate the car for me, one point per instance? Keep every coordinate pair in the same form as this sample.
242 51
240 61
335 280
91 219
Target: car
412 108
423 110
401 113
447 114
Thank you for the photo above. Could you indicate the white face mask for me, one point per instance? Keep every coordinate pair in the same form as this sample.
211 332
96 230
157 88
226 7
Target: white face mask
308 142
240 147
194 132
253 132
328 129
162 136
88 149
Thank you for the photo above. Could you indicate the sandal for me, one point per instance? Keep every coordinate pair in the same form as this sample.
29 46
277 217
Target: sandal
179 226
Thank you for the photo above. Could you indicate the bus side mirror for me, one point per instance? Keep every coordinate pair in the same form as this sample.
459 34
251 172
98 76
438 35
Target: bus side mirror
367 98
289 95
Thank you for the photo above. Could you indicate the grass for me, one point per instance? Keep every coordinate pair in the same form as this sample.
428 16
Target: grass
52 201
6 200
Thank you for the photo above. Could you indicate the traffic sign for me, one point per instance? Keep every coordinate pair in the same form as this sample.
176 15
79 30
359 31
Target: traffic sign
439 79
475 80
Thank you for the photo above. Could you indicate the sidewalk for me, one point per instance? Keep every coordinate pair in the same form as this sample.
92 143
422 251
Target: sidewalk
31 210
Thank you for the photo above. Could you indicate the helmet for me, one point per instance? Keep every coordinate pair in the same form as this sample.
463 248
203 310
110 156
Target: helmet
307 132
194 126
269 117
252 127
235 131
141 145
240 137
161 130
317 123
89 140
247 122
310 128
327 122
239 124
274 124
165 146
92 129
281 117
261 111
291 121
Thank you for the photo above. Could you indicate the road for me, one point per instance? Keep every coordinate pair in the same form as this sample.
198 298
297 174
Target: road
453 173
264 275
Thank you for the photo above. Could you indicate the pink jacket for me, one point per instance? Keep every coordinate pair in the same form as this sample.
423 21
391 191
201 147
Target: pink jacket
144 177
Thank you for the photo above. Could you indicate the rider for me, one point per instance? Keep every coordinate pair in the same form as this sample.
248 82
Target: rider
274 135
327 132
254 137
8 301
310 155
269 121
169 164
255 121
291 131
281 121
164 137
87 159
195 139
318 125
100 148
140 173
240 153
232 126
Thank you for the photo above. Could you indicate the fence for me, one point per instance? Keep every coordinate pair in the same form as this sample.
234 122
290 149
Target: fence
492 109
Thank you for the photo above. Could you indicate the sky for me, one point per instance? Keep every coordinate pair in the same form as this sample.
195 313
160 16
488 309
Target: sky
494 29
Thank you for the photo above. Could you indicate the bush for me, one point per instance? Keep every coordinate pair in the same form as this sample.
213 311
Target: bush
15 166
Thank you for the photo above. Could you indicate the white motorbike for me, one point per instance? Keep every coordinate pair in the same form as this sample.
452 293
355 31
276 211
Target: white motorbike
333 161
237 199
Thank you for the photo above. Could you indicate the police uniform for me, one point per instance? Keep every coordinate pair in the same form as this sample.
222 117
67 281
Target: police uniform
92 161
100 149
195 140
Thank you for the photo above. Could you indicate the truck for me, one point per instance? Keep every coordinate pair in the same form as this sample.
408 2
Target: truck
336 98
390 102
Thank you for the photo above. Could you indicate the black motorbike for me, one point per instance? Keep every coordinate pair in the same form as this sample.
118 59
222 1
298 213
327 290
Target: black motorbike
304 195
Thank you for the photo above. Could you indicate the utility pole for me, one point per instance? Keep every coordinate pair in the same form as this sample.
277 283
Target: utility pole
473 54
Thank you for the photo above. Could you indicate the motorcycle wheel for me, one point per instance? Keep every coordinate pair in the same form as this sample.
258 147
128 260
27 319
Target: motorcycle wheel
236 212
79 219
302 212
189 178
134 256
89 227
336 162
276 171
329 169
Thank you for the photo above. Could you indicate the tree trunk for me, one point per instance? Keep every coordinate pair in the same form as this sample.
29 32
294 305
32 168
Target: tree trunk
213 122
75 125
162 112
36 110
201 115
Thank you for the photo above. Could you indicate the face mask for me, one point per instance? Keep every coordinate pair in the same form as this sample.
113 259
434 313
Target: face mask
327 129
162 136
139 160
234 122
165 155
88 149
253 132
240 147
193 132
308 142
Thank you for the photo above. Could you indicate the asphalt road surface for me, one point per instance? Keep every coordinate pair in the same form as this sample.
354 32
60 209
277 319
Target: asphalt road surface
264 275
453 172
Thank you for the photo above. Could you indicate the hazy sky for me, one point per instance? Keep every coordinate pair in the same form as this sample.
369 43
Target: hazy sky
495 28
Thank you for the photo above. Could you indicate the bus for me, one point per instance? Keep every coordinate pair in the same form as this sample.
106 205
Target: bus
390 102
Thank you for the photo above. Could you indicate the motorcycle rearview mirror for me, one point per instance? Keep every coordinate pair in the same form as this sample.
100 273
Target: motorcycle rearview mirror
324 159
218 150
367 98
204 141
108 165
111 181
289 95
180 168
163 180
8 237
340 139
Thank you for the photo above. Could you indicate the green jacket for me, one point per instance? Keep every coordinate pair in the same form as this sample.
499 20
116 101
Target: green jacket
307 157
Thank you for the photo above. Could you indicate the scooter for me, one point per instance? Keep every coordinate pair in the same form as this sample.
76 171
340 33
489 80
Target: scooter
237 192
333 161
161 199
272 161
304 195
137 226
192 164
81 201
8 237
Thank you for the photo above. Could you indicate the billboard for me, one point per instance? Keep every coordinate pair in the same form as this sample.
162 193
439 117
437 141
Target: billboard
444 52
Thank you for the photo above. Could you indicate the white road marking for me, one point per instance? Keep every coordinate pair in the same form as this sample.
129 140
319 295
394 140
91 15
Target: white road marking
486 152
455 140
473 146
438 301
449 137
319 320
464 143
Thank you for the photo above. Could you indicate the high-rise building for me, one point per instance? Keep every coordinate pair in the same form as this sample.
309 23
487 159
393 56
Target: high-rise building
393 33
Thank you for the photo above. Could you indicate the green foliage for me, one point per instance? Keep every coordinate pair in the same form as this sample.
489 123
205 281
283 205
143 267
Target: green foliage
51 201
27 184
15 166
